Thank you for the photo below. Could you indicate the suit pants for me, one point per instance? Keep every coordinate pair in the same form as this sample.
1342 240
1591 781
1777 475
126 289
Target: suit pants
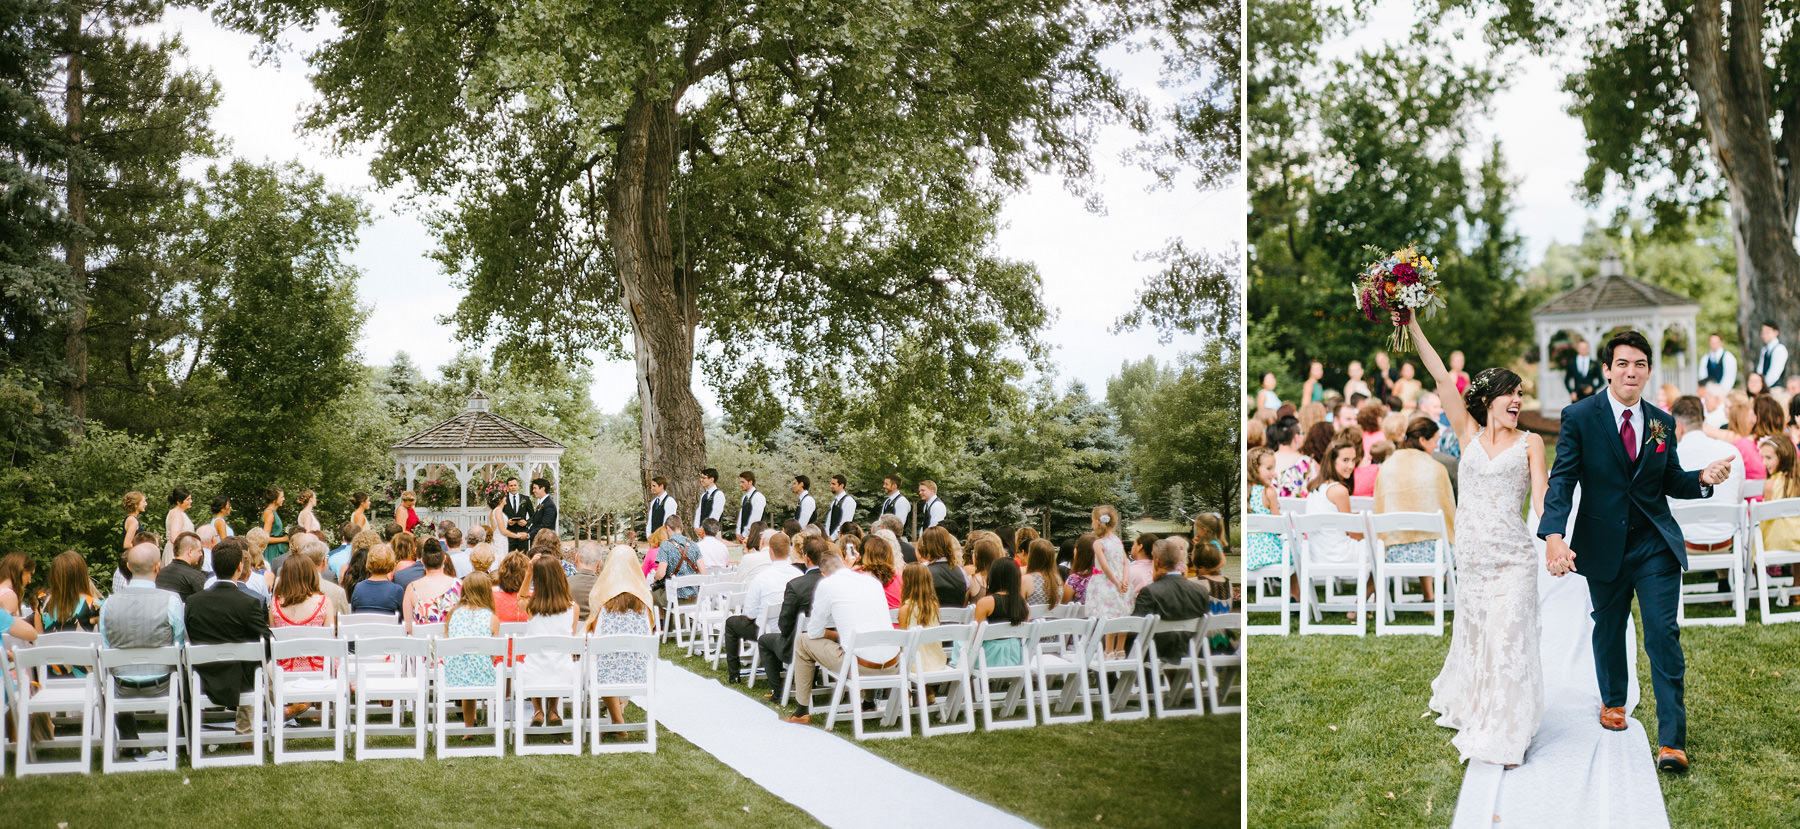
1653 574
774 657
127 720
737 629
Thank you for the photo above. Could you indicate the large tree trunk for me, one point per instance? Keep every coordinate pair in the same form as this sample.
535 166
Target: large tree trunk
75 342
1732 87
659 299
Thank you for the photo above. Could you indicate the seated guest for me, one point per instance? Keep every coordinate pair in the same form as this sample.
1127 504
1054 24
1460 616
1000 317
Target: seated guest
261 579
891 525
712 550
339 557
877 560
936 552
1362 481
621 603
1081 566
755 558
919 609
473 615
1172 597
429 598
300 603
224 614
182 575
357 567
481 559
843 601
462 550
1043 582
1218 587
70 600
312 550
406 559
552 612
1004 604
766 588
141 615
1139 571
458 557
796 599
378 593
587 574
1413 481
1778 458
514 575
676 556
1698 449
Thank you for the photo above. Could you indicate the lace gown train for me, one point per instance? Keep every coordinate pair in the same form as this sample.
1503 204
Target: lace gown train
1492 686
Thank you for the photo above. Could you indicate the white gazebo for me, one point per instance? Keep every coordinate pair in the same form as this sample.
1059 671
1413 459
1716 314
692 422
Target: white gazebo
1608 301
476 444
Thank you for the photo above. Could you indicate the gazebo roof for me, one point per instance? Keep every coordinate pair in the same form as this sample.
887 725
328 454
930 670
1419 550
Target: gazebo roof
1612 292
477 428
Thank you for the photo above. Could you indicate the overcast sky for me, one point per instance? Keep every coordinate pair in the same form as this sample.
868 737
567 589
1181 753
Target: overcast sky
1088 261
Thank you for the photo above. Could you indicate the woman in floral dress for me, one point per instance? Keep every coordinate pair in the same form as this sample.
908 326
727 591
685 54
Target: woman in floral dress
621 603
473 615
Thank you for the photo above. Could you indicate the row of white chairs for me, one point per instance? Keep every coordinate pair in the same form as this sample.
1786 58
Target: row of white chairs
1064 667
1266 588
369 672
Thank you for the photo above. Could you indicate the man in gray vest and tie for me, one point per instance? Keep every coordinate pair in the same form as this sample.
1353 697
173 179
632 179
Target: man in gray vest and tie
662 505
892 502
931 508
843 507
141 616
712 501
804 505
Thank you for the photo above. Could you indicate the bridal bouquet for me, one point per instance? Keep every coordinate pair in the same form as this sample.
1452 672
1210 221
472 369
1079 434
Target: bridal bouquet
1395 286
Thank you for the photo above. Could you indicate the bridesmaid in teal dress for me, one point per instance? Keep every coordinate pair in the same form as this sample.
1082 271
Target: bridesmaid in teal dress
271 524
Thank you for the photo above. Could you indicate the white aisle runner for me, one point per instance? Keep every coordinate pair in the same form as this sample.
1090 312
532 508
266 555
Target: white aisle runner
1576 773
827 776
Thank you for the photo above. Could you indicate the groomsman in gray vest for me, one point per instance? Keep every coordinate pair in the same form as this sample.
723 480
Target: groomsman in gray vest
843 507
750 507
805 506
662 505
892 502
931 508
712 501
141 615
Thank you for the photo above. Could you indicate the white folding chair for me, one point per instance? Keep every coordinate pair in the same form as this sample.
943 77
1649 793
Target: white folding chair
787 678
446 696
952 700
77 697
1231 664
204 741
328 688
1390 577
402 677
511 628
706 620
1291 506
292 633
768 621
857 678
1120 676
1172 675
165 706
1058 655
1774 591
564 687
643 647
1035 612
1258 598
1014 680
677 613
1731 560
1752 489
351 620
70 638
1362 503
954 615
1326 574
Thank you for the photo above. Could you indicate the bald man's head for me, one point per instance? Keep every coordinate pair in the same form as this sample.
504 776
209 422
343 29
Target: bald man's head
142 560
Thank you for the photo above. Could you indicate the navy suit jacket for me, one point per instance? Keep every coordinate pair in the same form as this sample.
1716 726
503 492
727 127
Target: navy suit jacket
1589 452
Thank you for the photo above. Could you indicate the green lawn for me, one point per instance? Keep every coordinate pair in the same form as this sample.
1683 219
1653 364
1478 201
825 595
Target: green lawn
1183 771
679 784
1339 733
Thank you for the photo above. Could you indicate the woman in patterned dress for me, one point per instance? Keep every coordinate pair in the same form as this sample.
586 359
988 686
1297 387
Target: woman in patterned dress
473 615
621 603
430 597
1294 468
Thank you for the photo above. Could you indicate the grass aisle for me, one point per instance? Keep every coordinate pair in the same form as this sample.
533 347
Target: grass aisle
1176 772
1338 733
680 784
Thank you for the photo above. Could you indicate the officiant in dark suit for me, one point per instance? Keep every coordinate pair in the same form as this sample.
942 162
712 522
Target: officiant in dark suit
517 509
1583 378
543 510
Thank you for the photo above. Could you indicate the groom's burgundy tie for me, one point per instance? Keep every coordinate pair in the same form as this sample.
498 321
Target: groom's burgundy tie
1629 435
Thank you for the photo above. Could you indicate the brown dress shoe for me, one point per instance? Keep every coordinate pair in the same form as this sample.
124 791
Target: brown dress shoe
1612 719
1672 760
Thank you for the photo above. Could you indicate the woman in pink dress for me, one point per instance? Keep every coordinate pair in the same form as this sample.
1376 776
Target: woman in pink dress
298 602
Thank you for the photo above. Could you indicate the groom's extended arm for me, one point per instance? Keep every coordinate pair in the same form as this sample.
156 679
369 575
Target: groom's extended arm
1561 491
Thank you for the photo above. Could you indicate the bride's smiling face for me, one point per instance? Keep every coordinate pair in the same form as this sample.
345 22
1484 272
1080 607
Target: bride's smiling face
1504 410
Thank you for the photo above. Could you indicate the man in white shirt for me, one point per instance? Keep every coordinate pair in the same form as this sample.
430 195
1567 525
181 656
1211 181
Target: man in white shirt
845 600
1772 364
662 505
712 550
804 505
1696 450
766 586
931 508
753 561
843 507
1717 365
892 502
750 507
1712 401
712 501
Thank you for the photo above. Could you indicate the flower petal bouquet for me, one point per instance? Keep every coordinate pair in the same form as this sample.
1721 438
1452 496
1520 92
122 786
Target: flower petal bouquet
1395 286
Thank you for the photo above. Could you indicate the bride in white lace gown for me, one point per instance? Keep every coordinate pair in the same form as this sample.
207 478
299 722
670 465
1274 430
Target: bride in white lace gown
1492 687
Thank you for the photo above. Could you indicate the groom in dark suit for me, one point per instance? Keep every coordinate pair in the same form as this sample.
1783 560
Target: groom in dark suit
1622 452
517 509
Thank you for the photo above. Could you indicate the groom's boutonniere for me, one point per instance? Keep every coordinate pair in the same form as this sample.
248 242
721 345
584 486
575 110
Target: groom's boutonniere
1659 435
